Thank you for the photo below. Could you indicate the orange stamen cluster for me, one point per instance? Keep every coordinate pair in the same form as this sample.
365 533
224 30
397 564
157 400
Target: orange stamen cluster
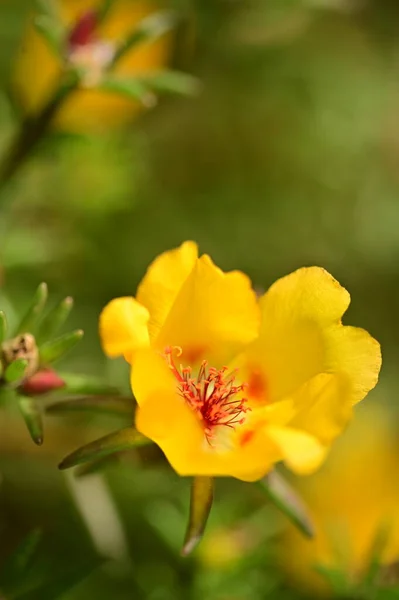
211 394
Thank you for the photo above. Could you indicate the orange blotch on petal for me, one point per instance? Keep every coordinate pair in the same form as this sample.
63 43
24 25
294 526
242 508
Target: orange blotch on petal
257 387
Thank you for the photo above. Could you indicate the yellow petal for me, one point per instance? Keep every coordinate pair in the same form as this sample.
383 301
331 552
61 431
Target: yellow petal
163 281
164 417
323 406
301 452
356 355
123 327
295 312
213 317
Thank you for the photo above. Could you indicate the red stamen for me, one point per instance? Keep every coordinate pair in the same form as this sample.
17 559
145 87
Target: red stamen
212 394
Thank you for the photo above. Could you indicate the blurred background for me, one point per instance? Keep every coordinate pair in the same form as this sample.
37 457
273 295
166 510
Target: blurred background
288 156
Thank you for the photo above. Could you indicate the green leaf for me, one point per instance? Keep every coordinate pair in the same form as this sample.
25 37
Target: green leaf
200 507
284 497
48 8
103 11
32 417
51 351
336 578
133 89
86 385
95 466
375 558
29 321
173 82
3 327
18 562
54 320
124 439
51 32
16 370
99 404
150 28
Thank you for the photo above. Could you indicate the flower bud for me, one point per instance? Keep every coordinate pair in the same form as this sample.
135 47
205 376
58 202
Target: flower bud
83 32
44 381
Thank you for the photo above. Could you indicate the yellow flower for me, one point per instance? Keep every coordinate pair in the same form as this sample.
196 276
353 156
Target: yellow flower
354 499
37 69
227 384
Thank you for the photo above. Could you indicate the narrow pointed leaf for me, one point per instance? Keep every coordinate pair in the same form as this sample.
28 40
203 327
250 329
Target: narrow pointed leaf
124 439
104 9
284 497
133 88
51 32
32 417
99 404
54 320
200 507
376 555
95 466
173 82
51 351
16 564
16 370
3 327
85 385
28 323
150 28
47 7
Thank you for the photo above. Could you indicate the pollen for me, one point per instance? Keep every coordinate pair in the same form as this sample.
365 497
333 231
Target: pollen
212 394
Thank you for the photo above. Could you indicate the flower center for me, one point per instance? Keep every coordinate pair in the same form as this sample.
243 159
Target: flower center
212 394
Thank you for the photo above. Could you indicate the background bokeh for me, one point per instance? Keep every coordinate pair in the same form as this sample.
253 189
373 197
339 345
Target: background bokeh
289 156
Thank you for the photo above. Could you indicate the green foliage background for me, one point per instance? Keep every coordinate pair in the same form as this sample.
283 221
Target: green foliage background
288 157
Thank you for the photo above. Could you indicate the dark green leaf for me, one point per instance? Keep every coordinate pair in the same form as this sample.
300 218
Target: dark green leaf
51 351
284 497
32 417
130 88
3 327
15 370
29 321
200 507
16 564
95 466
124 439
56 586
150 28
54 320
99 404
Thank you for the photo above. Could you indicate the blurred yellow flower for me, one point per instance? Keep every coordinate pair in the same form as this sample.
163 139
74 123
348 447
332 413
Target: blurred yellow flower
353 499
37 69
228 384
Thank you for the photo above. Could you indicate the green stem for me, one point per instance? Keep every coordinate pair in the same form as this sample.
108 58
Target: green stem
33 129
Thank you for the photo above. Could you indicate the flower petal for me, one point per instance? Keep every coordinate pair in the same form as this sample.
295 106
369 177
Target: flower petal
301 452
123 327
163 281
295 312
324 406
354 353
213 317
164 417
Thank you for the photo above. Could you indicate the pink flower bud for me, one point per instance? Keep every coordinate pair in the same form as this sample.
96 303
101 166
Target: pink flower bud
42 382
83 32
